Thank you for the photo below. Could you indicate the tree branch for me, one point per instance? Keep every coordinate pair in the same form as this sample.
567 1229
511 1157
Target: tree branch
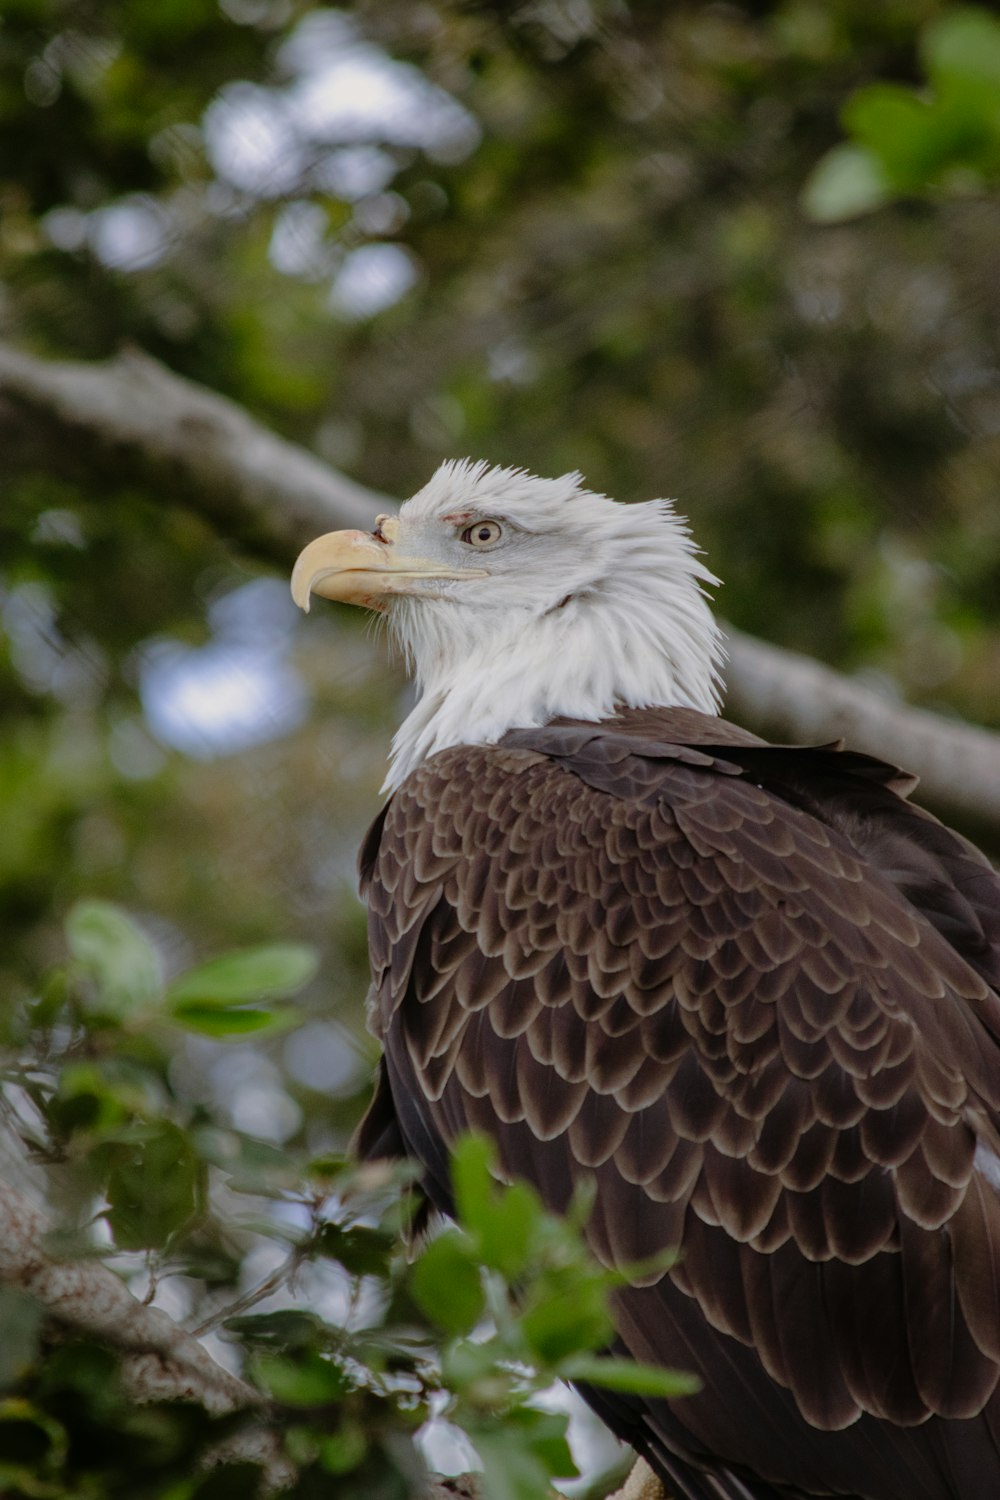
133 420
791 695
163 1362
160 1361
641 1484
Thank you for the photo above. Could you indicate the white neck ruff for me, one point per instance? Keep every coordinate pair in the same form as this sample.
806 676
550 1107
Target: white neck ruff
641 637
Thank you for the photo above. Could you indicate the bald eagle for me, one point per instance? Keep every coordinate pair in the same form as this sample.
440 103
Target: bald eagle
749 990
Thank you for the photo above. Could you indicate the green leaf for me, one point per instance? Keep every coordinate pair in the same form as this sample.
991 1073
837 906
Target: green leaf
523 1453
20 1319
91 1373
87 1099
507 1231
286 1327
503 1221
545 1431
626 1375
361 1250
901 130
328 1169
573 1319
269 972
471 1368
447 1284
511 1471
108 946
209 1020
154 1188
290 1328
308 1380
30 1439
344 1450
471 1179
846 182
225 1481
962 45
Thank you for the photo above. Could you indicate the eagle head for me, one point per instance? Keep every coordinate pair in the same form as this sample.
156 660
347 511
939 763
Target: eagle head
517 599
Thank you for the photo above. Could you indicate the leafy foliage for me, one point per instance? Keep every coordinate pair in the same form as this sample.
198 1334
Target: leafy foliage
474 1329
546 1331
914 142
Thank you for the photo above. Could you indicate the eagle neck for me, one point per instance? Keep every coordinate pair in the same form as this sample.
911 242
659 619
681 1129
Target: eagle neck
578 660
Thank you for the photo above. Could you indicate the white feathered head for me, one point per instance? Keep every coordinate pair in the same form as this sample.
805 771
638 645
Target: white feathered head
517 599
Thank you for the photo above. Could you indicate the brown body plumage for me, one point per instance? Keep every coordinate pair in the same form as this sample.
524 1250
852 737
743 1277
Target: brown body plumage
756 995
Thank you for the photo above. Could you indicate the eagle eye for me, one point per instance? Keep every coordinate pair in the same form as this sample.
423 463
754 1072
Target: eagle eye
482 534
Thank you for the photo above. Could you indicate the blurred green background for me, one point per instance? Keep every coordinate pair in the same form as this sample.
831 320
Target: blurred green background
743 254
594 234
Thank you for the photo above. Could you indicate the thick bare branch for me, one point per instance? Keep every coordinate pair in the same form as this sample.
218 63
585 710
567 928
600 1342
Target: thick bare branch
131 418
166 1362
805 702
160 1361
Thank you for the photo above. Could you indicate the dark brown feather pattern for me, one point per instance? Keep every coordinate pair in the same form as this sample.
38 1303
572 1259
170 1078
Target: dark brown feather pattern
754 993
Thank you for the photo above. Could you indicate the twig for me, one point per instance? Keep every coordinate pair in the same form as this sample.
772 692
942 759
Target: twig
249 1299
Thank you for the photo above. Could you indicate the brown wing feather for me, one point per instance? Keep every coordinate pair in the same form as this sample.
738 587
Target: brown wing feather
671 968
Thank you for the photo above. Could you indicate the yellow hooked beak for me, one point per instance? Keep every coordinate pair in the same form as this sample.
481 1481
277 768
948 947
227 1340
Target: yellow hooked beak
362 567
